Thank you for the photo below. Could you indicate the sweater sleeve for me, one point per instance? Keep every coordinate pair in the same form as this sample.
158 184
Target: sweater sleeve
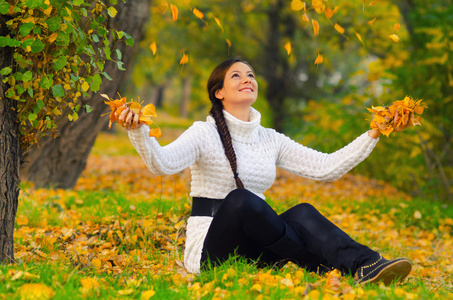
316 165
170 159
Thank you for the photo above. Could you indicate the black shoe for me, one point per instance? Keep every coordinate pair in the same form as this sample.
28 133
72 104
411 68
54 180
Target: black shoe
383 270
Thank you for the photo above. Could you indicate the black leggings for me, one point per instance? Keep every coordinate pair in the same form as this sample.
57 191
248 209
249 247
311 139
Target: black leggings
247 226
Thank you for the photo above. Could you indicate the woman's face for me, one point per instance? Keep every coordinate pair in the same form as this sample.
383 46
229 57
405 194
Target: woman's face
239 87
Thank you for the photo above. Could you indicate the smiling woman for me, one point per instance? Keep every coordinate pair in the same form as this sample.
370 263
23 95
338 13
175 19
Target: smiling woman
233 161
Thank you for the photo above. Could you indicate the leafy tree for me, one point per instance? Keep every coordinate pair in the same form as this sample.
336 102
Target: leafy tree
48 62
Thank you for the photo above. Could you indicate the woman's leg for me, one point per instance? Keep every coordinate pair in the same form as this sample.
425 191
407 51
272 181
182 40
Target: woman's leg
246 225
327 240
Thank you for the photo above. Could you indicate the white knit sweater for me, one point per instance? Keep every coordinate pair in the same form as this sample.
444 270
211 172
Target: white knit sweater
259 151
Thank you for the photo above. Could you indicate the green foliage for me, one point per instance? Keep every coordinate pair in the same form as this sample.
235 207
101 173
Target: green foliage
60 48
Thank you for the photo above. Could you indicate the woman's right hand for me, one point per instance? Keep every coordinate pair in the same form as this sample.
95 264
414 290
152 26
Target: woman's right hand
128 118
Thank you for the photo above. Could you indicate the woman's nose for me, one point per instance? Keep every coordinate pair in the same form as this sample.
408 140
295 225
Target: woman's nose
246 79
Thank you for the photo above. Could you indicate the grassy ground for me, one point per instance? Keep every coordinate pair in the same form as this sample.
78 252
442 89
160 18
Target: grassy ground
120 234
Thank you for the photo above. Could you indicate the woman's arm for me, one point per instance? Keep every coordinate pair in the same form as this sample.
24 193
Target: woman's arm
316 165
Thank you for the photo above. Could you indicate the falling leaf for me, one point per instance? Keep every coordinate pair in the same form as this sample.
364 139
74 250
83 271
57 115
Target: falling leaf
174 12
35 291
315 26
184 60
360 38
218 23
373 3
330 12
197 13
339 28
318 5
297 5
153 47
394 38
305 18
397 27
371 21
288 48
319 59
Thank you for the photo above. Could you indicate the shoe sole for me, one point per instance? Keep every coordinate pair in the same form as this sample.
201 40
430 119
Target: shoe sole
394 272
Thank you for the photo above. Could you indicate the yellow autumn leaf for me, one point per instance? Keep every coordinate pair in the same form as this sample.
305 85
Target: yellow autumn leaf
21 220
319 59
373 3
112 11
360 38
318 5
371 21
96 262
288 48
85 86
315 26
397 27
330 12
218 23
297 5
52 37
197 13
146 295
35 291
394 38
184 59
153 47
174 12
339 28
305 18
89 283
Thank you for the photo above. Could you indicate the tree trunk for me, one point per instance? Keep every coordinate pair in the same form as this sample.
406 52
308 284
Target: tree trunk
277 70
59 162
9 159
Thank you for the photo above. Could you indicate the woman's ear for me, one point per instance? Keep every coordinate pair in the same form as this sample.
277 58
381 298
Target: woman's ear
219 94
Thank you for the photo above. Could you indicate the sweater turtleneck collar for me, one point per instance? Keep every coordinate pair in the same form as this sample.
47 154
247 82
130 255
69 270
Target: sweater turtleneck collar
245 132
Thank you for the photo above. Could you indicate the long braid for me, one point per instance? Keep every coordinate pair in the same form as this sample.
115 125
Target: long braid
217 113
215 83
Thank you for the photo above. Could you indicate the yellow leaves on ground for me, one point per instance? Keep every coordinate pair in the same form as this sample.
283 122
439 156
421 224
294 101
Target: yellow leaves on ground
145 113
387 118
35 291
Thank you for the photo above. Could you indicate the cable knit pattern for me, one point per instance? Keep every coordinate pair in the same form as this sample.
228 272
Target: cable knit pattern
259 151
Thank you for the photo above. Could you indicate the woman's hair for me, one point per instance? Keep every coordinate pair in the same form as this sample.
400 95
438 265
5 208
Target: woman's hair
215 83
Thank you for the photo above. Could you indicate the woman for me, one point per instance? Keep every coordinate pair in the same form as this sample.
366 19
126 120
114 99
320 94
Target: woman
233 161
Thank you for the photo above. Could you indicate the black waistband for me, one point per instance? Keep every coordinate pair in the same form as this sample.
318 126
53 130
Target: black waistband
205 207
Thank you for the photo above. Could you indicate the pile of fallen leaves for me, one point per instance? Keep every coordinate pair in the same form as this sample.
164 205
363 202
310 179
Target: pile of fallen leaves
145 113
387 118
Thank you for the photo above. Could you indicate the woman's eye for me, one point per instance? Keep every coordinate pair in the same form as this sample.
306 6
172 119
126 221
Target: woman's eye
251 75
235 75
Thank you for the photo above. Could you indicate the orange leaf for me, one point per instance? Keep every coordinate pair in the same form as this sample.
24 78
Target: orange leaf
218 23
184 59
371 21
153 47
315 26
155 132
319 59
174 12
305 18
338 28
197 13
288 47
330 12
373 3
318 5
397 27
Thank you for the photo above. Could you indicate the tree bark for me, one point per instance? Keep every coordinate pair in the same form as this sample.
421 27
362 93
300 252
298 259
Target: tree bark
9 159
277 71
59 162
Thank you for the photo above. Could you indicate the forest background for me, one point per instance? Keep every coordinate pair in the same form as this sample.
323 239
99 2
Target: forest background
319 65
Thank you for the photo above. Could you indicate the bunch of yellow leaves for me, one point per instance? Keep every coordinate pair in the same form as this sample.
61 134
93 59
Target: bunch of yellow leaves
401 112
145 113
